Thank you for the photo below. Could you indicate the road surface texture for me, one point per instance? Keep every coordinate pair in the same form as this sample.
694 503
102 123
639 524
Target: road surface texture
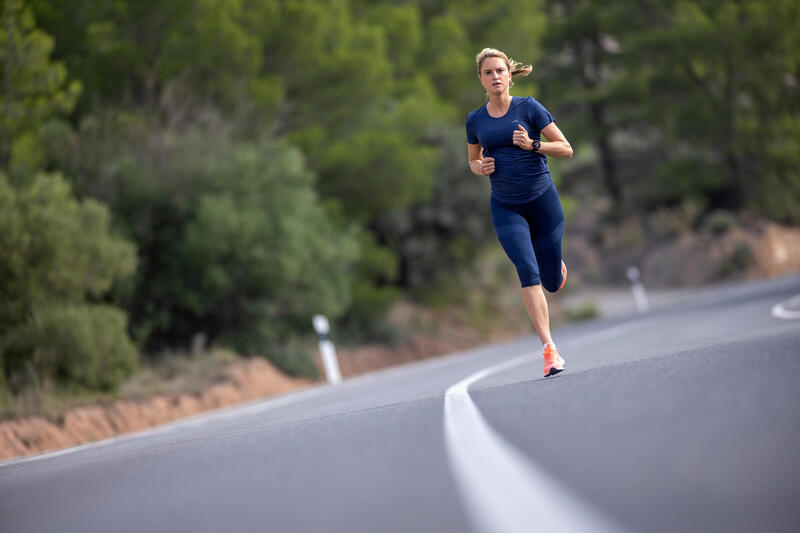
684 419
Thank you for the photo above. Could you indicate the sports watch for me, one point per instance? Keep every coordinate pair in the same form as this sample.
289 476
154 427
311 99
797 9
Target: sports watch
536 145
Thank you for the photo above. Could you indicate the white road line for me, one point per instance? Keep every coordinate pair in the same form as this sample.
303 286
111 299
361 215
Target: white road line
779 309
503 490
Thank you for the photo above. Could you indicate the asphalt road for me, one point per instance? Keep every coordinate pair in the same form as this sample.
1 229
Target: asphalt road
686 419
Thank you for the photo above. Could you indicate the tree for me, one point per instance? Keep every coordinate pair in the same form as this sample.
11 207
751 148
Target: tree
583 39
438 237
234 242
34 88
59 259
146 52
719 77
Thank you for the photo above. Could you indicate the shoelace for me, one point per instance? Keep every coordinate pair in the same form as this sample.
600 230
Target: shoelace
550 355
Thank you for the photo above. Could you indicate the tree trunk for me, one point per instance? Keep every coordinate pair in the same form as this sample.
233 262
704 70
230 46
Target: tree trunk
607 161
588 54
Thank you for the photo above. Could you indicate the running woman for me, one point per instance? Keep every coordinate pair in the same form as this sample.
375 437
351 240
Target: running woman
509 139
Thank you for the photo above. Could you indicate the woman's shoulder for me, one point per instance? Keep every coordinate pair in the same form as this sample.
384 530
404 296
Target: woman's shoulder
533 107
475 112
528 100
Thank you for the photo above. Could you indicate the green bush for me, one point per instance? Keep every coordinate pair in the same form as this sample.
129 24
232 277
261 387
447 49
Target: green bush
293 360
719 222
57 252
234 241
584 311
435 238
55 249
74 345
739 260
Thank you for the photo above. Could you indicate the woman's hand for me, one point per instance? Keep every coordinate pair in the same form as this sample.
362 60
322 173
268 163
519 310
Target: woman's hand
477 163
521 138
487 165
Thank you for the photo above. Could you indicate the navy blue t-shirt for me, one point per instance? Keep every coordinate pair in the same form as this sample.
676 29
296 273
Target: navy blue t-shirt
519 175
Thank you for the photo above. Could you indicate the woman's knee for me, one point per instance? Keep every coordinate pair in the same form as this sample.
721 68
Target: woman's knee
552 283
550 286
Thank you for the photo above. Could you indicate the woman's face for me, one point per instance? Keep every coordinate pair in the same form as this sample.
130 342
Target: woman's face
495 76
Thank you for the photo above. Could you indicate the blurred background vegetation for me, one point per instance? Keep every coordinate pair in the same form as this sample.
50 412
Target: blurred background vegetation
213 172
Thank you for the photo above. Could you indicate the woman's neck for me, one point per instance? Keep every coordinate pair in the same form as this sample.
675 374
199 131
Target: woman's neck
499 103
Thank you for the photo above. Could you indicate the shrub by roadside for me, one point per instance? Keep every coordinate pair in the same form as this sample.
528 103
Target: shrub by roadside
58 257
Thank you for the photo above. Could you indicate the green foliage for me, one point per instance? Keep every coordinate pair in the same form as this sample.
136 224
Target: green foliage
449 61
77 345
700 94
738 260
686 177
582 77
718 78
586 310
269 238
719 222
294 360
233 239
403 34
373 288
57 253
273 159
436 237
55 248
34 87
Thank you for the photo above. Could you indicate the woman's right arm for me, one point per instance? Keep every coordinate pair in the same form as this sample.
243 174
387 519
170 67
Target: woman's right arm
477 164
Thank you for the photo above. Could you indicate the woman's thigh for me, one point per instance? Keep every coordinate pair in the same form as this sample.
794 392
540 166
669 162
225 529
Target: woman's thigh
546 218
514 233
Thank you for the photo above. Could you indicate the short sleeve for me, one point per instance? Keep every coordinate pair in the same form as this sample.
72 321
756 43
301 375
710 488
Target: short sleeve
538 115
472 138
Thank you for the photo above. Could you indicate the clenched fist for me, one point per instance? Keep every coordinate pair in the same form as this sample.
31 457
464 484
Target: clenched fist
521 138
487 166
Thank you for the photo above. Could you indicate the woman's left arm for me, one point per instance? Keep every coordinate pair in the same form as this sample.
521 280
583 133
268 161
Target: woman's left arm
556 145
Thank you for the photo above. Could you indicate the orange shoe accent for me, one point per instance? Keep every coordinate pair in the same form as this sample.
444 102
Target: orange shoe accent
553 362
563 275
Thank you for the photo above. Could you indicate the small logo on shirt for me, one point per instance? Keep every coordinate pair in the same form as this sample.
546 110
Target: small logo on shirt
514 121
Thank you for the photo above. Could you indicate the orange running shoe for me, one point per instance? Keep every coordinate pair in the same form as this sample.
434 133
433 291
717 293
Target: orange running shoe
553 362
563 275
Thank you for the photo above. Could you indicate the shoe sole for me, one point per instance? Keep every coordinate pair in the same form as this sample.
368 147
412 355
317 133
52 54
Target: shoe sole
553 372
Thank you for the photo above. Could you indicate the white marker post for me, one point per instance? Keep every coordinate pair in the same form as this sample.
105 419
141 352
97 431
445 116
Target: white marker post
326 349
639 294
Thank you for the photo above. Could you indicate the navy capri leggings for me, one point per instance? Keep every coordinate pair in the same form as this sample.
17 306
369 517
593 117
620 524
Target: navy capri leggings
530 234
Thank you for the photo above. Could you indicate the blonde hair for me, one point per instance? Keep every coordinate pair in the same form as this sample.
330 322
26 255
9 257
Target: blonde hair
514 67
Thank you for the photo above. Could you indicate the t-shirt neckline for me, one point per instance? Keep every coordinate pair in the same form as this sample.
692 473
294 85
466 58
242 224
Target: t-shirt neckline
486 108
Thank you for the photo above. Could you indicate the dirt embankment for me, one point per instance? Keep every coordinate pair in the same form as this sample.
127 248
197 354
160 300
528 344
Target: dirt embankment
752 248
247 380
